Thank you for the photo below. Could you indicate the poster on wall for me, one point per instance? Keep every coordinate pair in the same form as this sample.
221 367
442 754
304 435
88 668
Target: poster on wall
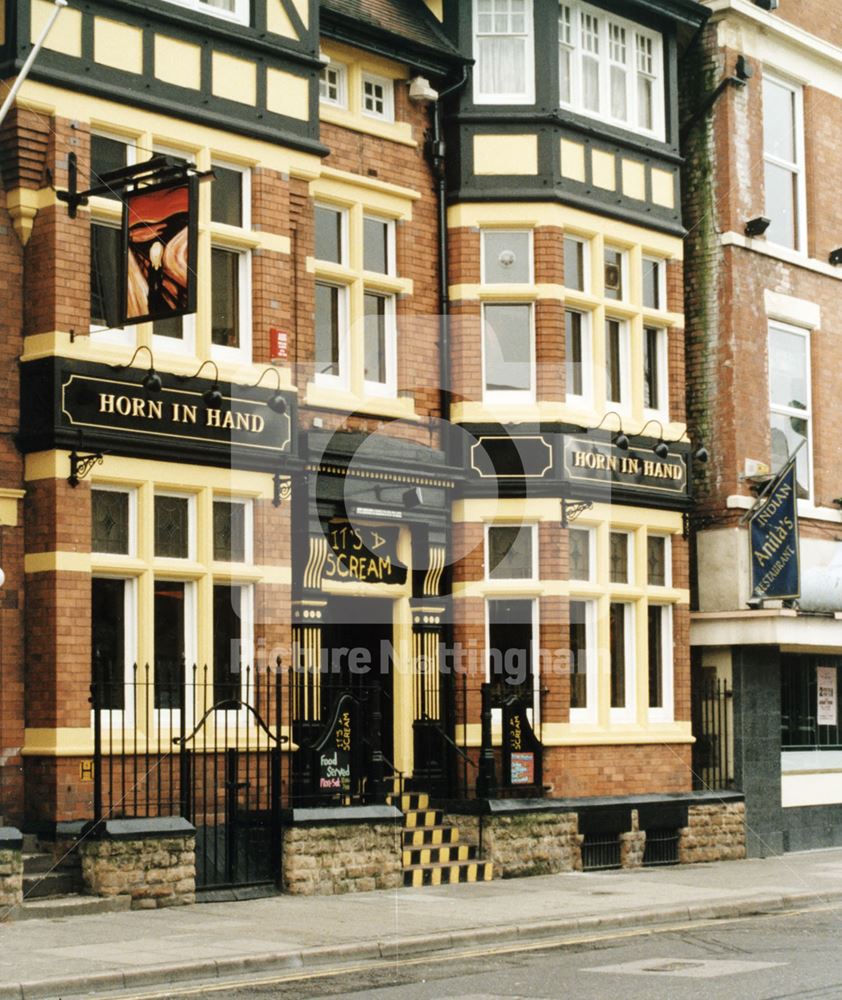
159 251
826 710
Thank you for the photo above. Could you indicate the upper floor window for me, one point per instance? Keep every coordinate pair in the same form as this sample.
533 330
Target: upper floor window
783 159
610 68
230 264
654 283
506 256
378 97
508 352
333 85
504 52
510 551
789 400
231 10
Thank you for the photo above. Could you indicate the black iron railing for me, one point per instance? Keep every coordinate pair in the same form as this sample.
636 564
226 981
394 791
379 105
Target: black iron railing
712 714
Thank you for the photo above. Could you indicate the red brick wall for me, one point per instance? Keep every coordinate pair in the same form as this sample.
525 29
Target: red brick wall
617 770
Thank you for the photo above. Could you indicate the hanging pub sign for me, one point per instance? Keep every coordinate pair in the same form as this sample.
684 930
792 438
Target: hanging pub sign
522 760
159 251
773 533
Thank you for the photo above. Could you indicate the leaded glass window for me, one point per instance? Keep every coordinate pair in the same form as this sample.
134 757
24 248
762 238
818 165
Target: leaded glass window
579 541
656 557
110 522
619 556
229 531
172 527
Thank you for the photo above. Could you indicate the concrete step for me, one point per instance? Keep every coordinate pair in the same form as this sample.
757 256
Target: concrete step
37 862
69 906
57 883
430 836
449 873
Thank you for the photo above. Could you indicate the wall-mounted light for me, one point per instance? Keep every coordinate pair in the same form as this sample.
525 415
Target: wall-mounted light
620 438
744 69
766 4
835 257
758 226
276 402
701 454
151 381
420 90
212 397
661 448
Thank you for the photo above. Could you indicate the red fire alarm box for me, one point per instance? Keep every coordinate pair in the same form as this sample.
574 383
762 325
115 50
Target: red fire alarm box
278 344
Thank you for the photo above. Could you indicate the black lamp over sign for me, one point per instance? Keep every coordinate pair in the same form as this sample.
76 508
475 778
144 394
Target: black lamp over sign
620 438
661 448
212 397
276 402
151 381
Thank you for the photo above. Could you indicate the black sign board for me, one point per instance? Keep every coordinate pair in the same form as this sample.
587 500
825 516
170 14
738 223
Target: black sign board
522 751
773 530
635 469
362 554
502 456
335 771
91 404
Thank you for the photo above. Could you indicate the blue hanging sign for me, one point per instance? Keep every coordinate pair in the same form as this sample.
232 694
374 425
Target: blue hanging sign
773 531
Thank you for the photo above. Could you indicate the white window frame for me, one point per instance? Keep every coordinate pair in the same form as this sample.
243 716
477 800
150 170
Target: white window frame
662 351
577 52
533 543
666 712
623 405
239 15
591 533
527 94
388 85
191 528
242 353
534 711
344 240
530 255
245 195
132 526
661 265
798 167
791 411
118 718
171 717
578 716
624 272
341 71
630 537
389 388
241 715
667 560
248 527
585 244
586 397
628 712
342 379
510 396
391 251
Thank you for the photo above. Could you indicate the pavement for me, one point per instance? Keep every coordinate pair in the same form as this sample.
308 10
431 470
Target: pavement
211 941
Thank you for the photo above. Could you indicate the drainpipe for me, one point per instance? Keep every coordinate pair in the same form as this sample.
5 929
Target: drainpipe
30 59
436 152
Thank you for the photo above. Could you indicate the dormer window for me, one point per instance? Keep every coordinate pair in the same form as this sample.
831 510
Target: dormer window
611 69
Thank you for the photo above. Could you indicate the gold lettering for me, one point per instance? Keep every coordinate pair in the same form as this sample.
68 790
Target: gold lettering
243 422
124 406
189 411
257 423
106 402
213 417
579 459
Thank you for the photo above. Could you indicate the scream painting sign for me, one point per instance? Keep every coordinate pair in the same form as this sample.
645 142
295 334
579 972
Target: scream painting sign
159 236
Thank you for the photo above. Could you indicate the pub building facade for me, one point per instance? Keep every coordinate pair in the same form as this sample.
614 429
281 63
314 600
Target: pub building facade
354 518
762 333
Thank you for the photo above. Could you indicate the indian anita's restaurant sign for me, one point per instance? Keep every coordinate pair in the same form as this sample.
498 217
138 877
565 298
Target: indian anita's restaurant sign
587 461
363 554
94 403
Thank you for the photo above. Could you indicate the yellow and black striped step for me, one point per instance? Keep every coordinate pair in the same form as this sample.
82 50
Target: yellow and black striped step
448 874
430 836
409 800
415 818
438 855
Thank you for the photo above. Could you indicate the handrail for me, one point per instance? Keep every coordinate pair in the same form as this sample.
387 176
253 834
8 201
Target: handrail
456 747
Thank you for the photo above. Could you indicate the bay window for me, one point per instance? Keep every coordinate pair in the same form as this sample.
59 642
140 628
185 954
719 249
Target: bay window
504 52
611 69
508 350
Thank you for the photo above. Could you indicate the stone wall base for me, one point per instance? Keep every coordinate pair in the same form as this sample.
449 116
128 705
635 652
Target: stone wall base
532 843
155 867
329 858
11 870
714 832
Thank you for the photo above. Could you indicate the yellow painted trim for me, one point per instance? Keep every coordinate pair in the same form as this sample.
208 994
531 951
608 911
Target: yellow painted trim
23 205
248 573
398 132
66 35
505 155
57 562
560 734
127 120
485 510
177 62
9 506
233 78
603 169
287 94
364 61
370 183
511 588
400 407
64 742
349 190
522 293
483 214
278 21
548 411
118 45
573 160
140 471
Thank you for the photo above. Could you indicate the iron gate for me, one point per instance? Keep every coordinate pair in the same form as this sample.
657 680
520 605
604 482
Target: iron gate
208 749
